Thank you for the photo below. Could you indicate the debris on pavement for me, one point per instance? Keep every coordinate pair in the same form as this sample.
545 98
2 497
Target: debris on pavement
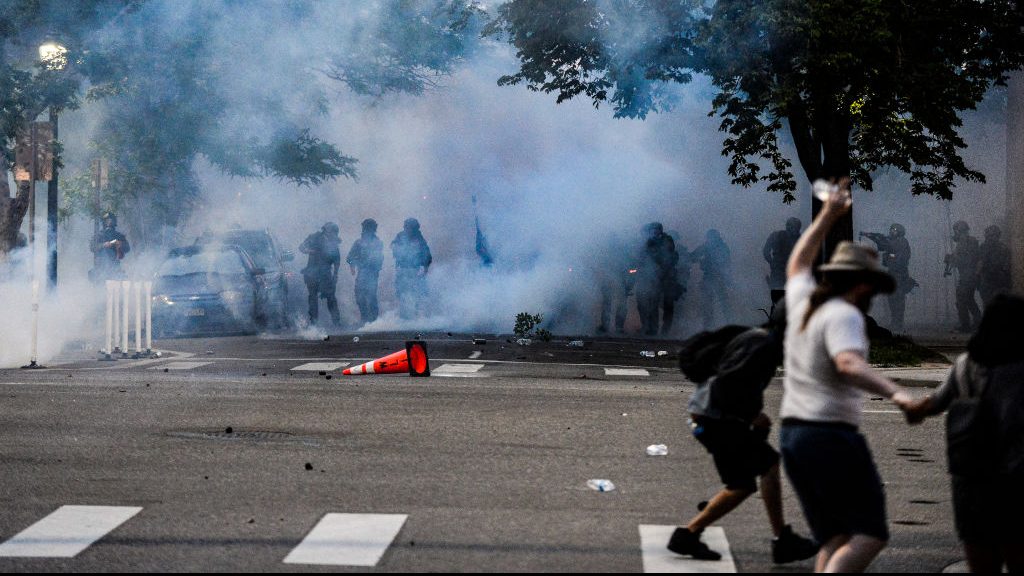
601 485
576 344
657 450
309 466
648 353
662 352
524 341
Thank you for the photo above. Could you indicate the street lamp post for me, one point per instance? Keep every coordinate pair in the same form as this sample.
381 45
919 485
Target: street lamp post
54 57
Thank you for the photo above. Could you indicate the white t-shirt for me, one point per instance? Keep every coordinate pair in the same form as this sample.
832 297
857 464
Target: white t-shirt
813 389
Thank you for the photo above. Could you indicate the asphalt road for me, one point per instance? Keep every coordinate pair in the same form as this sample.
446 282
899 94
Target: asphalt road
488 465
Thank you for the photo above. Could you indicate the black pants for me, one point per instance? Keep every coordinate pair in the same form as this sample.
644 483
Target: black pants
318 290
366 296
966 305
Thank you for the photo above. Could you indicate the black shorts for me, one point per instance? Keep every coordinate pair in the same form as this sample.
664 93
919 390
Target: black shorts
831 469
988 511
740 453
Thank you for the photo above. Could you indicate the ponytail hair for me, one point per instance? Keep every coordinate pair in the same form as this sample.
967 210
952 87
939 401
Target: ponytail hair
833 284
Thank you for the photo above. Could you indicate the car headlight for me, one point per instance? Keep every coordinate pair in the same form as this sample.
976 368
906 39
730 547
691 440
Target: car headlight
232 296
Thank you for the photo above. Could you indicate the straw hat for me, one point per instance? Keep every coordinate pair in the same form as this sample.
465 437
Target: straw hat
853 257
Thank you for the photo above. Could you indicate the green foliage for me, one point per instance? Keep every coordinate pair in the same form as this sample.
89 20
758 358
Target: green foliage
408 48
860 85
902 352
528 326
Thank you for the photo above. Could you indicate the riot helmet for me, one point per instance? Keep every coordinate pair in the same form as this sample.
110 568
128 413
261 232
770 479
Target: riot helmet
369 226
411 225
960 229
897 231
331 229
653 230
108 215
993 233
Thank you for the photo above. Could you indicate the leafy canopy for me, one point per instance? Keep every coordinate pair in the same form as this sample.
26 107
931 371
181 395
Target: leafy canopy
860 85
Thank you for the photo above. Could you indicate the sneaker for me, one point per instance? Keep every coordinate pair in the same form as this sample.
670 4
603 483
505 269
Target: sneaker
789 547
687 543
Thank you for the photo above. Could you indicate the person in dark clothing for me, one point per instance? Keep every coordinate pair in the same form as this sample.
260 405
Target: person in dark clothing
727 418
108 247
984 393
895 252
614 275
657 285
365 259
715 264
321 271
776 252
412 259
994 271
966 260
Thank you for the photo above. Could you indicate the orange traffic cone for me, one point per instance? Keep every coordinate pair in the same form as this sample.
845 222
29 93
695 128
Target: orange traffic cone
413 360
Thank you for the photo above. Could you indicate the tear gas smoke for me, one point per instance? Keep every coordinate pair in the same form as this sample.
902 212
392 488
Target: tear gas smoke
561 189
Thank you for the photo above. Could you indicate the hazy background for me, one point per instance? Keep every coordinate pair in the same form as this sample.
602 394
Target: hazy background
555 184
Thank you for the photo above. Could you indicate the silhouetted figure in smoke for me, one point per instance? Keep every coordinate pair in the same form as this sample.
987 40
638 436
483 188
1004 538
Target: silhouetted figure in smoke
657 287
894 250
994 273
412 259
776 252
615 277
715 264
321 272
365 259
682 274
966 260
108 247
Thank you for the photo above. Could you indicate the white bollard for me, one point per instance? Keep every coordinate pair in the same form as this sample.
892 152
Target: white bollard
138 317
109 342
35 323
149 316
125 287
116 290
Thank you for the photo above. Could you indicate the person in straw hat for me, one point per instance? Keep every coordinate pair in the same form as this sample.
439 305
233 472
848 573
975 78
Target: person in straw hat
825 457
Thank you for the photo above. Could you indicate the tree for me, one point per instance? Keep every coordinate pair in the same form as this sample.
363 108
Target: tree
860 85
28 87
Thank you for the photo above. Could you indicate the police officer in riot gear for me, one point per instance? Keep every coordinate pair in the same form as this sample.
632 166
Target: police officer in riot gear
966 260
657 285
108 247
715 264
412 259
321 271
895 252
776 252
994 272
365 259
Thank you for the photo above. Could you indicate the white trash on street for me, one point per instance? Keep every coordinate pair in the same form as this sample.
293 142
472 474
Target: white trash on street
657 450
601 485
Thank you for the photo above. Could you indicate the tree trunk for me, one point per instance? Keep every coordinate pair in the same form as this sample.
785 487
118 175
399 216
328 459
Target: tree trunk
1014 229
12 212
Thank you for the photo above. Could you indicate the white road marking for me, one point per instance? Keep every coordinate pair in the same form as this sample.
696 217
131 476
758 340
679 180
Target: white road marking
657 558
626 372
180 365
476 354
322 366
67 531
348 540
883 411
456 369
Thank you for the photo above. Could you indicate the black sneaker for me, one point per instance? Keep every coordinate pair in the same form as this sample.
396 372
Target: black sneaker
687 543
789 547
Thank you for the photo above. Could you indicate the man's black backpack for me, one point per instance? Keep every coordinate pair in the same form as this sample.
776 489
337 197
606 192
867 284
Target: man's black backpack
700 353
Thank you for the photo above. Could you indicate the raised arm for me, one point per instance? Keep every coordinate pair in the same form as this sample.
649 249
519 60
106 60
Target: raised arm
807 247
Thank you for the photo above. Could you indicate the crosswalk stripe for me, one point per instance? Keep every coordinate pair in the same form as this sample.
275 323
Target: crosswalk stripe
180 365
476 354
67 531
321 366
626 372
657 558
456 369
348 540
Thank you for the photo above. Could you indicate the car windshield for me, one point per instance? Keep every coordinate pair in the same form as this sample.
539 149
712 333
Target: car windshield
257 244
221 262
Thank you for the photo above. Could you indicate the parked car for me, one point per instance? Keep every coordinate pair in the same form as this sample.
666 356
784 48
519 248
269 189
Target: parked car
214 288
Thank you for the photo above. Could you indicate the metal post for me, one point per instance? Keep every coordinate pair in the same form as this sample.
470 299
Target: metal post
33 363
51 211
